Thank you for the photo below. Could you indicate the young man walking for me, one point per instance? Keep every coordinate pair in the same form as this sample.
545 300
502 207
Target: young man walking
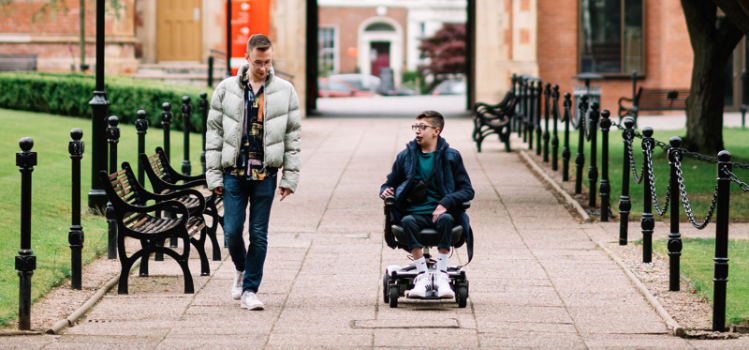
428 161
254 131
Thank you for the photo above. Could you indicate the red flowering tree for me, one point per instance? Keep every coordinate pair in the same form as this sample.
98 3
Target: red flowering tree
446 51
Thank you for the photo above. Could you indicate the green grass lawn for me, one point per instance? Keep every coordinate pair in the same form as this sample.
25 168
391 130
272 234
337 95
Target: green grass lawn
52 196
699 176
697 265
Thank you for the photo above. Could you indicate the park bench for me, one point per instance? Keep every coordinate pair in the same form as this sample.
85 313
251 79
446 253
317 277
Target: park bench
164 180
494 119
647 99
129 200
18 62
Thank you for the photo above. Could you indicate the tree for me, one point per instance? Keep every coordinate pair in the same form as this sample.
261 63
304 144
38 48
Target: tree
446 51
713 42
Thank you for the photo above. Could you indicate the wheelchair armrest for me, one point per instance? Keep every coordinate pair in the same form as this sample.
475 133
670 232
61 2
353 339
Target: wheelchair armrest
389 201
465 205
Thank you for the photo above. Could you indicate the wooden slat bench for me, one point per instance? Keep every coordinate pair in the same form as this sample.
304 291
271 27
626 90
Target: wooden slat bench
164 180
18 62
494 119
647 99
129 200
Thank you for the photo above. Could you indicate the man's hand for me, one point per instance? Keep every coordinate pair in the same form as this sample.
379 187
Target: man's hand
388 192
437 212
219 190
283 192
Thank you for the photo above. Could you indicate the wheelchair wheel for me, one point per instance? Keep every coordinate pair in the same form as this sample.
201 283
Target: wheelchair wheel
394 295
386 288
462 296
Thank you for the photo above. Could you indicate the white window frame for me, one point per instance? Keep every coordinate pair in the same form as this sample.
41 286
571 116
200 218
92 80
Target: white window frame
335 49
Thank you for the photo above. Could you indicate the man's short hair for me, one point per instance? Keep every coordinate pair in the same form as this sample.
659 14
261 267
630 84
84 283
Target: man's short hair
434 118
258 41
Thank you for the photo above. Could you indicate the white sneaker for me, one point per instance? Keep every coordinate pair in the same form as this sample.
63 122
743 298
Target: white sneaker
250 302
236 288
422 282
442 284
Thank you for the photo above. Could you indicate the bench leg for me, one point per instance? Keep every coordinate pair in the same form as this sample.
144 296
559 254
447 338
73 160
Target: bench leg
158 255
144 260
182 260
199 244
212 233
127 264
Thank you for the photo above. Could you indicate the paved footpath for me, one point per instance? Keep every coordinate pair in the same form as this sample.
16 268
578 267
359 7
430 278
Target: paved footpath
537 279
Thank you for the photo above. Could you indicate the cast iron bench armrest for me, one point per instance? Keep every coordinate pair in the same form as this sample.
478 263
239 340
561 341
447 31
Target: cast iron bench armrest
501 105
161 206
186 185
180 194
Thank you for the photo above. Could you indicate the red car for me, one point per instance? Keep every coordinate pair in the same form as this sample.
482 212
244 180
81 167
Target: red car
336 88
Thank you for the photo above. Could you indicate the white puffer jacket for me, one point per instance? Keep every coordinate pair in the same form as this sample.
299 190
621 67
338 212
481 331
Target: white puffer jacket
282 126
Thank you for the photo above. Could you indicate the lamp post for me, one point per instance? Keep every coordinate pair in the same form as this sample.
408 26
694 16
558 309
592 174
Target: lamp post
228 38
97 198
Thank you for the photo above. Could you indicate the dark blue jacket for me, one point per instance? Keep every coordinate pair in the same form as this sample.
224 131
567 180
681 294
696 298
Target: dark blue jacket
451 178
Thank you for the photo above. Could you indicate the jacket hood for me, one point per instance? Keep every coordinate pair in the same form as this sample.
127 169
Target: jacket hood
243 77
441 145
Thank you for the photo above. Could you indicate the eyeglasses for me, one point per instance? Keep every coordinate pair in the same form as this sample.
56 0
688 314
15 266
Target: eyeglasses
421 127
261 65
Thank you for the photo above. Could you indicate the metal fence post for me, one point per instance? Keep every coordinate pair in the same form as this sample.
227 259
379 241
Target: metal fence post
529 126
547 136
166 122
593 168
605 188
674 237
521 107
721 241
537 119
204 115
25 260
514 82
554 137
580 157
210 71
76 236
744 96
625 204
113 137
141 125
186 112
647 223
566 154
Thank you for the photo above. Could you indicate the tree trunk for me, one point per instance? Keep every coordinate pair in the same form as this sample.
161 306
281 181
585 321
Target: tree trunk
712 46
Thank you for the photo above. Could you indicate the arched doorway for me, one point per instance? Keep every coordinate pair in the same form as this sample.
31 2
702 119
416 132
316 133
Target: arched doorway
380 43
376 37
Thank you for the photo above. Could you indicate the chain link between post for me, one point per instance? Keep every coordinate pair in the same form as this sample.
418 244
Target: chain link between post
685 200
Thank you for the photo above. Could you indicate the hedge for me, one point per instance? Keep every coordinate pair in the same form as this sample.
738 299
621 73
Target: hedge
69 94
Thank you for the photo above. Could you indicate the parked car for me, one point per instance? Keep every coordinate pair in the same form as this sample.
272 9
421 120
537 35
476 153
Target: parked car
335 88
363 83
450 87
401 91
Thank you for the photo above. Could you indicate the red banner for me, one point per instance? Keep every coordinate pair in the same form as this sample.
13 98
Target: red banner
248 17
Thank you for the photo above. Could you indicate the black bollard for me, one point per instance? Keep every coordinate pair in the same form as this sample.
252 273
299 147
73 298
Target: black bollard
75 236
25 260
529 126
566 153
605 188
593 168
521 107
113 137
537 119
625 204
547 136
744 97
186 112
141 126
647 223
554 137
721 241
210 71
580 157
166 122
204 114
514 82
674 237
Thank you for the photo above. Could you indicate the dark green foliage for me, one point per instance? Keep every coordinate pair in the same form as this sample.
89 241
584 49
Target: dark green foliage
69 94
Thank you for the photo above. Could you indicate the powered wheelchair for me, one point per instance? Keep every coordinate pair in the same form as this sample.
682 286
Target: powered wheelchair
399 279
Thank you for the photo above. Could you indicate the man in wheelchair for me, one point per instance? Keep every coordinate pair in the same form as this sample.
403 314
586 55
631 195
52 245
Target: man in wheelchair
427 189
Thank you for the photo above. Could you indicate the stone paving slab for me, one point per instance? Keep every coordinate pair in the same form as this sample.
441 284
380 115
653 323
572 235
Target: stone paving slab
537 278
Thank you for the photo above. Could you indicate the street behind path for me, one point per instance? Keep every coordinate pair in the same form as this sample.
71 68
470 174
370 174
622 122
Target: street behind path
537 279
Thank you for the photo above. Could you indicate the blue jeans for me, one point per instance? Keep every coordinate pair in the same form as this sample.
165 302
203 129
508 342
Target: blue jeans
237 192
414 223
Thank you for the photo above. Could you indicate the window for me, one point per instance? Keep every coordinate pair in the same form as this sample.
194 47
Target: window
326 48
612 39
379 27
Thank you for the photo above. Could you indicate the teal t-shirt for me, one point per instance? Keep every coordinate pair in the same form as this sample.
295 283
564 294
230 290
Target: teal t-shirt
424 165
